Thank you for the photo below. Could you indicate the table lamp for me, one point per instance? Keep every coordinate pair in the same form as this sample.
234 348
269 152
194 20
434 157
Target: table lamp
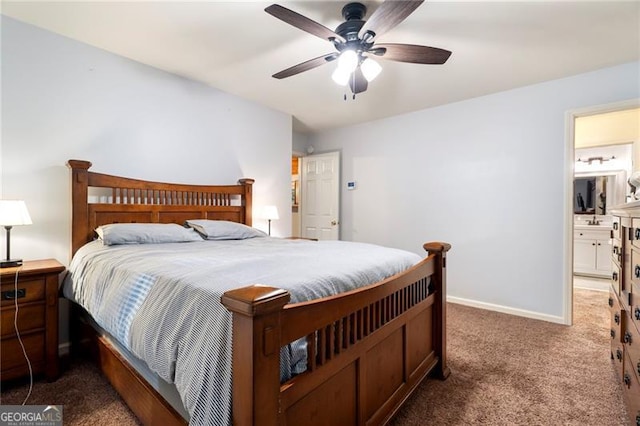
12 213
270 213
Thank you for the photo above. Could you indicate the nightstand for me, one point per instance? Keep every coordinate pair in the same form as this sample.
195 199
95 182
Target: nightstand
37 298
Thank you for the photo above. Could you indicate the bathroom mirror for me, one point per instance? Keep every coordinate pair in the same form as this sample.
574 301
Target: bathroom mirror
593 194
590 195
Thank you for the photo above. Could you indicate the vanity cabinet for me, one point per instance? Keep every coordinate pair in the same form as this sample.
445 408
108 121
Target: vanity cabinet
592 252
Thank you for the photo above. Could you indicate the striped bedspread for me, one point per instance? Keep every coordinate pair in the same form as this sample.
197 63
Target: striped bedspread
162 301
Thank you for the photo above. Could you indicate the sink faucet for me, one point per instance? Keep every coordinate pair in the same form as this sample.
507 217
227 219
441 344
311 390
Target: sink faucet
594 221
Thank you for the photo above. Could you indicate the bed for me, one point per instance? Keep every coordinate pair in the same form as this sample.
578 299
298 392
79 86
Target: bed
366 349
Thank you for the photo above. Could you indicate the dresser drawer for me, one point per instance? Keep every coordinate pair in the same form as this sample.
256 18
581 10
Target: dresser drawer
634 304
617 357
616 251
631 387
631 340
30 317
12 357
28 291
635 265
634 232
616 316
616 277
616 228
617 347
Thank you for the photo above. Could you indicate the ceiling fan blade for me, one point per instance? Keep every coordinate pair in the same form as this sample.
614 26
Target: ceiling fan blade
302 22
307 65
412 53
388 15
357 82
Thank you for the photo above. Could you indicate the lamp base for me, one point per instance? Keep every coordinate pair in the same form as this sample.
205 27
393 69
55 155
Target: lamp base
10 263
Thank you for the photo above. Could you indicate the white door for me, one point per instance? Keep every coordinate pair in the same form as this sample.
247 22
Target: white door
320 193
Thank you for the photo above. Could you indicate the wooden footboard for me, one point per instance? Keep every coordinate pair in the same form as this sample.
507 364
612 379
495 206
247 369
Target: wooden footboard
367 349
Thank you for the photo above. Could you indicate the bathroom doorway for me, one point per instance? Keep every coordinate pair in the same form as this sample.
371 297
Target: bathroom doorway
588 137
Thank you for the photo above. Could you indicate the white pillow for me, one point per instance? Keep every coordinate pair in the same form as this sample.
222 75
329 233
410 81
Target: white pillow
145 233
224 230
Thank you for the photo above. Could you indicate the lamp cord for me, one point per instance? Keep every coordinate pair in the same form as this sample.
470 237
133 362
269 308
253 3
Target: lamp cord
15 326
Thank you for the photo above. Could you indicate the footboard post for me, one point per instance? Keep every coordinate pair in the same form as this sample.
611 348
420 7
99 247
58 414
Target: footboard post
256 353
440 305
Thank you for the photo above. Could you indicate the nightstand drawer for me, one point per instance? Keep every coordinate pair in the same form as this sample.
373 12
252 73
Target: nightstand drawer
28 291
30 317
12 356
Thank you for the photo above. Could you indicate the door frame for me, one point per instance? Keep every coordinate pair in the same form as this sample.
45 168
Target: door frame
298 232
569 145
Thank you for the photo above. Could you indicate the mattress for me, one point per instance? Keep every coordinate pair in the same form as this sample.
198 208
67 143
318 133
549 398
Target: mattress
161 302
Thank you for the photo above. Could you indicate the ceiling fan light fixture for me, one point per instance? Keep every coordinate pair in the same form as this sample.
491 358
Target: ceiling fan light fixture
348 60
341 76
370 69
355 42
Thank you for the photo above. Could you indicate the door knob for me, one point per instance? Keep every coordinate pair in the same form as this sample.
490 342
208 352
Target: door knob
334 222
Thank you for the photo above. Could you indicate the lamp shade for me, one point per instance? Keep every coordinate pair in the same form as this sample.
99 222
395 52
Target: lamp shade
14 212
270 213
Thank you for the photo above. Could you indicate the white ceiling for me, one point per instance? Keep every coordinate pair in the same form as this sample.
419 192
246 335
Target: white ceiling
236 47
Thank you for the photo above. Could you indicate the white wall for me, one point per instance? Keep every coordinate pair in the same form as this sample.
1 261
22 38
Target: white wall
617 127
300 142
62 99
486 175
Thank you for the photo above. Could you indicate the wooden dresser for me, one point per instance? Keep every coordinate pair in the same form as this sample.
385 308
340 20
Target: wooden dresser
624 303
37 299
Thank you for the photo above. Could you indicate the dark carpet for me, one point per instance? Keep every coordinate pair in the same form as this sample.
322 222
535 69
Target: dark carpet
506 370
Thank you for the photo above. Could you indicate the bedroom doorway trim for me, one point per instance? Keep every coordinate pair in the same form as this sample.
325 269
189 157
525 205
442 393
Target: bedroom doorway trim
570 117
296 200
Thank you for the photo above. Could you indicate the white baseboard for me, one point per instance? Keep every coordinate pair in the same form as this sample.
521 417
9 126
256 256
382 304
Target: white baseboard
506 310
590 283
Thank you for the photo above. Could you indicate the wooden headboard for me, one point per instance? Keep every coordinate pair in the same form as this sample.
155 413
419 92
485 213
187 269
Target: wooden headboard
99 199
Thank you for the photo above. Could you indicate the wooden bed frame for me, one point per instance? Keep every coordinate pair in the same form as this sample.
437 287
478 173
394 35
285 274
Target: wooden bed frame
368 349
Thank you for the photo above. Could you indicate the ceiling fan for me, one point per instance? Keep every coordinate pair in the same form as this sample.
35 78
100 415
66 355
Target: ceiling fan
355 42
